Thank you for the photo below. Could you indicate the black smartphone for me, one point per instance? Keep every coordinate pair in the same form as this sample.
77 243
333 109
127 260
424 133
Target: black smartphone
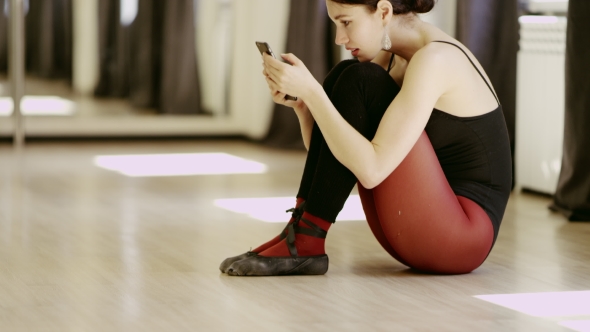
263 47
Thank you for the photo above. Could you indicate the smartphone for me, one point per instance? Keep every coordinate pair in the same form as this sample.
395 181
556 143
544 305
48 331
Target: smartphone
263 47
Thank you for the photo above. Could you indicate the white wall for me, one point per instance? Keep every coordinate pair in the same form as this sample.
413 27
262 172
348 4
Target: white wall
213 42
443 15
255 20
85 46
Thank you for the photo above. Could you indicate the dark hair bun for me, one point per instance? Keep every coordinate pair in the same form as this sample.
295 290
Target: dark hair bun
417 6
399 6
421 6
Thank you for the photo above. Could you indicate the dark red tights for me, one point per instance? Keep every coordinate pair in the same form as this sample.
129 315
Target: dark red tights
418 220
414 213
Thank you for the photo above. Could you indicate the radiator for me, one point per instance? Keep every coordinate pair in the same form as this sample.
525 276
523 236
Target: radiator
540 102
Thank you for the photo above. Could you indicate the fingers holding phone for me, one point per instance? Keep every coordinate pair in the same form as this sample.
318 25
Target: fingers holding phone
263 47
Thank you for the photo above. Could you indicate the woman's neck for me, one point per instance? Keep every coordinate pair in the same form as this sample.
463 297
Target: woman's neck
408 35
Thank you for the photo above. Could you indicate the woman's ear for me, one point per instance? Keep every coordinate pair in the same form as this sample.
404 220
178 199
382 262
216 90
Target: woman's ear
385 10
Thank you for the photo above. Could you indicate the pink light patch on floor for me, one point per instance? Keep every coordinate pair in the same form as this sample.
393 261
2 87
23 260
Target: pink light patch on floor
550 304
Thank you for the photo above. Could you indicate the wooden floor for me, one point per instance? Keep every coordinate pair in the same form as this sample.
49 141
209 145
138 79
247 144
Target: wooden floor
83 248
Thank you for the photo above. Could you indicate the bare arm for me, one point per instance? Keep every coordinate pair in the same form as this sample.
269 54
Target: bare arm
402 124
306 123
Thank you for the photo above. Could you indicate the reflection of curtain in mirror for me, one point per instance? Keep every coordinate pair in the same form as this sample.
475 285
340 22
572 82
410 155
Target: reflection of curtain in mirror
311 43
572 196
489 28
213 42
153 59
3 37
48 38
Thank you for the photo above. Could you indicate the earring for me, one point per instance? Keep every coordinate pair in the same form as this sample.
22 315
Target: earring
385 41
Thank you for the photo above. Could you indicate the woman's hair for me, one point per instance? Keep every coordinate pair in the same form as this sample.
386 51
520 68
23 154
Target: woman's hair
399 6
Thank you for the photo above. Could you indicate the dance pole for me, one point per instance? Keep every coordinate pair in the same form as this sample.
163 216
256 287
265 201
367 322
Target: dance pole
17 67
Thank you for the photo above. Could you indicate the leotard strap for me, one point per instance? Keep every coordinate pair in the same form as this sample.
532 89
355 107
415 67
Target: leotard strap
474 66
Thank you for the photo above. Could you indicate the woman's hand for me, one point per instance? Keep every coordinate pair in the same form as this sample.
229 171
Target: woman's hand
279 98
283 79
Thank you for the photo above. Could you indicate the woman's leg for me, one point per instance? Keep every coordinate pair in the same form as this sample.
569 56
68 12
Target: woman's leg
420 221
313 154
361 93
315 148
317 140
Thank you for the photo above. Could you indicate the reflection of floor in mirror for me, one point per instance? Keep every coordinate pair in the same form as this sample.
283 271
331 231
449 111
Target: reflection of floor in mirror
85 247
52 109
56 98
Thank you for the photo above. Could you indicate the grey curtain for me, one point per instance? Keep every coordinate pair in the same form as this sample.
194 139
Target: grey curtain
309 37
3 38
48 38
153 60
489 28
572 196
114 51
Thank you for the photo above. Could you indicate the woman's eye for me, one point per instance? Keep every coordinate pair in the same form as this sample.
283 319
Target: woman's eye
346 23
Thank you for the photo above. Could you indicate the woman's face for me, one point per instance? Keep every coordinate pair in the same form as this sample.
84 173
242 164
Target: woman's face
357 29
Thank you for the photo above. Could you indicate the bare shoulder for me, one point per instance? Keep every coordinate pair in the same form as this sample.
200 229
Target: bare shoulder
433 62
429 62
434 54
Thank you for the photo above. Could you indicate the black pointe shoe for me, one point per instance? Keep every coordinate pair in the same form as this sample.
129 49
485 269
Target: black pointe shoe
296 215
230 260
277 266
257 265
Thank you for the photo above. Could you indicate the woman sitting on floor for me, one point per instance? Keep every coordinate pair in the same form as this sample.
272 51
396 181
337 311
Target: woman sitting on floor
415 121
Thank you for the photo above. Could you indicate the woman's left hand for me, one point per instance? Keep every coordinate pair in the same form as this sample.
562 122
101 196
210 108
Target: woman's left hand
294 80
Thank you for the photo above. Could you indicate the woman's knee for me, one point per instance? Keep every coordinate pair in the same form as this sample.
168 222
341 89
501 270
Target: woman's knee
366 78
334 74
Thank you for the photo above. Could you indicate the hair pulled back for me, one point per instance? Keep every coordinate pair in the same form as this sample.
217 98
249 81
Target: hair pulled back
399 6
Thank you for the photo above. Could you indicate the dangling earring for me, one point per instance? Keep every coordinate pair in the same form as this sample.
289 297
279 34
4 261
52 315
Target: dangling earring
385 41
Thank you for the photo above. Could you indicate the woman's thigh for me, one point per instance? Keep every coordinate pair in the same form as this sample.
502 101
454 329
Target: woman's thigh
422 222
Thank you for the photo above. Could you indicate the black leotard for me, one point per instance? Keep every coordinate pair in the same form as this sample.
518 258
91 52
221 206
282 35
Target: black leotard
474 153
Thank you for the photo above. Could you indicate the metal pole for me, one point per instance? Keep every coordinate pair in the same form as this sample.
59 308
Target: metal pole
17 67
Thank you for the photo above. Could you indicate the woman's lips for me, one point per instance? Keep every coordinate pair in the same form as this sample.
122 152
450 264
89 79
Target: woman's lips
355 52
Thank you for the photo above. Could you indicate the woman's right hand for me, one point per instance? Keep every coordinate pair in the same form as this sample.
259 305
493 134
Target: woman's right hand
279 97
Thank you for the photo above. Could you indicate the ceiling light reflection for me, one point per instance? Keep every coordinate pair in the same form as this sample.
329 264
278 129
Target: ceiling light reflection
550 304
272 209
179 164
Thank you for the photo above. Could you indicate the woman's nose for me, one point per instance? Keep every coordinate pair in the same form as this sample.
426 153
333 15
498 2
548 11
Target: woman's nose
341 38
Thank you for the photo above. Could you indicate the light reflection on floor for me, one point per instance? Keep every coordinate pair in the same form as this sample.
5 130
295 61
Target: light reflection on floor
272 209
577 325
544 304
39 105
179 164
549 304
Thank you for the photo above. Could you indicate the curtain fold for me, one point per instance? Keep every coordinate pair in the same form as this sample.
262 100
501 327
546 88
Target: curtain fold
146 45
489 28
152 61
113 43
311 42
48 38
572 197
179 92
3 38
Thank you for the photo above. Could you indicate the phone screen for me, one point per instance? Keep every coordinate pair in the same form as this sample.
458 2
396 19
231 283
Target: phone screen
263 47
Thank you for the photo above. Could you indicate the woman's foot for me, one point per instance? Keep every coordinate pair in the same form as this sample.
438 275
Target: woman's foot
302 252
297 211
